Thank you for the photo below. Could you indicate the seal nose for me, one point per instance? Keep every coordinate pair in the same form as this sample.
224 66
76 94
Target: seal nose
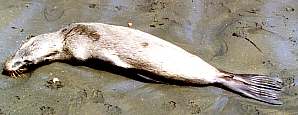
7 69
10 65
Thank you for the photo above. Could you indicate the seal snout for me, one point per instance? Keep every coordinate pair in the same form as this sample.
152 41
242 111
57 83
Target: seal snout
13 68
7 71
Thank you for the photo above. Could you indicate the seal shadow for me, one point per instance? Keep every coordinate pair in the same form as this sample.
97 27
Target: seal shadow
141 75
135 74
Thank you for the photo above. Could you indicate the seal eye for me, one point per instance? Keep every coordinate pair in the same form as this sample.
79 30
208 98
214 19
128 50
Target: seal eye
16 64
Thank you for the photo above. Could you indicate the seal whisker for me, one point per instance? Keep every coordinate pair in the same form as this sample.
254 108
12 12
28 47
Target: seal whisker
17 74
14 76
20 73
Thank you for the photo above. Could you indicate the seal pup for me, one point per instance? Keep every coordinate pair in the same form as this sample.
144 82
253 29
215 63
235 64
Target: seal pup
133 49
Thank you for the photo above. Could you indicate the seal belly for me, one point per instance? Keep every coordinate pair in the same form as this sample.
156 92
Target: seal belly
174 64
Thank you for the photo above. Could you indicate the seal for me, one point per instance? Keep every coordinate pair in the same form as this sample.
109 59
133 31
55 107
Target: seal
133 49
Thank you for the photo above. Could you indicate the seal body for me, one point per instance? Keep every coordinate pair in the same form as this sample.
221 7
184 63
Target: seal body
130 48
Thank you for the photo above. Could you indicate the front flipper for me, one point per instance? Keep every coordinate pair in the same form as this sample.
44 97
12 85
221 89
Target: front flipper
116 60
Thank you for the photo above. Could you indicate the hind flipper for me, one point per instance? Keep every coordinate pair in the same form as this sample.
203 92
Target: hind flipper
259 87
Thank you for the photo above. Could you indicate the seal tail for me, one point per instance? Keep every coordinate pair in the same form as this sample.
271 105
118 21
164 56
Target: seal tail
259 87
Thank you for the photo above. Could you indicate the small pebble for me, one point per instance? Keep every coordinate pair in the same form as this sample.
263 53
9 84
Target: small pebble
129 24
55 80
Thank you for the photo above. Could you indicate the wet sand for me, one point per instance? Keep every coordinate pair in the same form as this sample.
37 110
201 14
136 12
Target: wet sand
247 36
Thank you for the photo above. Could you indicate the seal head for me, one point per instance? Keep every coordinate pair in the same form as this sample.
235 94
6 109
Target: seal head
33 52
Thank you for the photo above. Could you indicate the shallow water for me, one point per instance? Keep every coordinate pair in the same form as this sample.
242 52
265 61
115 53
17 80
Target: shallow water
219 31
